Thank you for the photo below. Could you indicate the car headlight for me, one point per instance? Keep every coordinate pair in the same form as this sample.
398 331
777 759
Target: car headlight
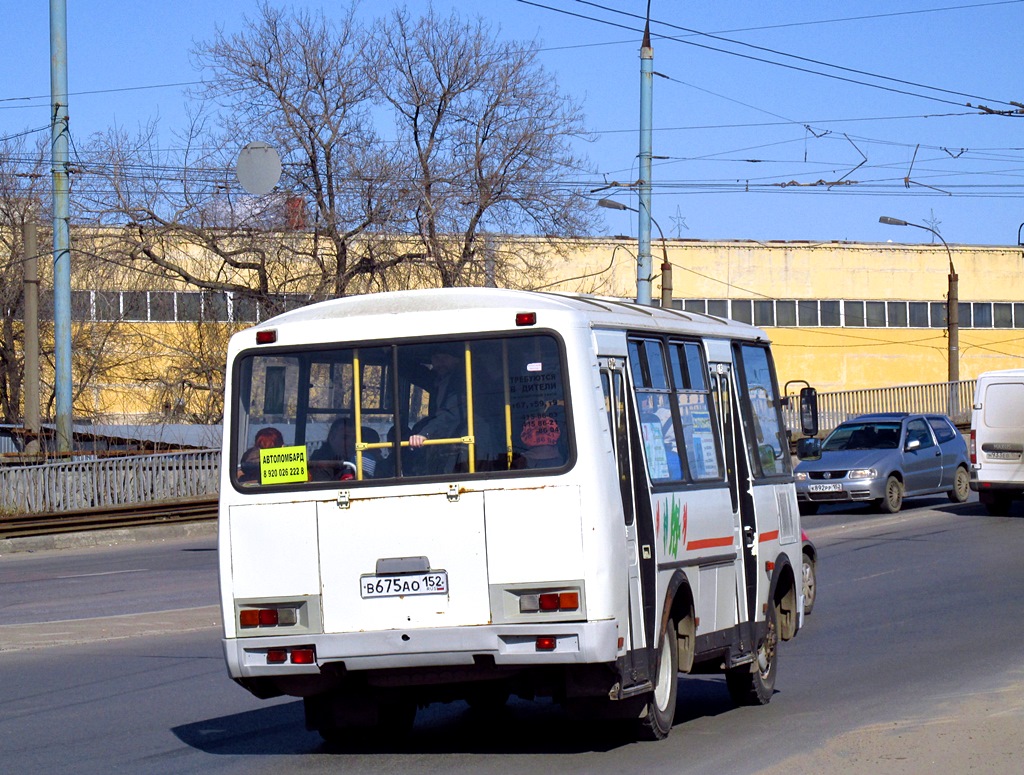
862 473
800 476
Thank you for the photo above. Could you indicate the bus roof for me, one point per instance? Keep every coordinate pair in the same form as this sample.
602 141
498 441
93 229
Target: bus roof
490 305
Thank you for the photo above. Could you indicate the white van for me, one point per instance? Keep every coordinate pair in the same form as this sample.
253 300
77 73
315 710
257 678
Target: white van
997 439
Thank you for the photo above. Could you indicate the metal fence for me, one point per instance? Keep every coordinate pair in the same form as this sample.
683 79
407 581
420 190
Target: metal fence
950 398
108 482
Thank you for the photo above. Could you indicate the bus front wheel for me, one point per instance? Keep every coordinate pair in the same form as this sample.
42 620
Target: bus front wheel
754 683
660 709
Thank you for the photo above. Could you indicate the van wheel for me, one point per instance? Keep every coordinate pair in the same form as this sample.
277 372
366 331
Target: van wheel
961 486
754 684
892 501
660 709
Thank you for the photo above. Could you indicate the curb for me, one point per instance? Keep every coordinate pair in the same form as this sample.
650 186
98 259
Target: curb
86 539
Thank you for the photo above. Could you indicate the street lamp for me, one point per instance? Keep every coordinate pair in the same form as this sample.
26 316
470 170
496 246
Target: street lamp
666 267
952 302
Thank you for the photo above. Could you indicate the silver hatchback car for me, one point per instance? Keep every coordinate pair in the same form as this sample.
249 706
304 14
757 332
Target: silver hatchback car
883 458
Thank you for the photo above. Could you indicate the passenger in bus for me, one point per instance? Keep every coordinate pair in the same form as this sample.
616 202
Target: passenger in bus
446 413
249 465
335 460
541 443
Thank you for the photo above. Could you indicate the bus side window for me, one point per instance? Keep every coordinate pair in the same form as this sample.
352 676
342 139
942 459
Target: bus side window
768 446
650 379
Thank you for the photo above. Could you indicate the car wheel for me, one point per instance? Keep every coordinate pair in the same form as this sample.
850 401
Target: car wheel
810 582
754 684
892 501
660 709
961 486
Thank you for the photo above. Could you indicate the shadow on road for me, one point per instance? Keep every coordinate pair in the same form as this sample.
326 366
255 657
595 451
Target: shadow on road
522 727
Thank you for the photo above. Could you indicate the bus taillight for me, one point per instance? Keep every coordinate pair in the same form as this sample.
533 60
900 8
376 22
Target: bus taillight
546 602
267 617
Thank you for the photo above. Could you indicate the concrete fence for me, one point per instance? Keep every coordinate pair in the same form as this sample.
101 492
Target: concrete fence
109 482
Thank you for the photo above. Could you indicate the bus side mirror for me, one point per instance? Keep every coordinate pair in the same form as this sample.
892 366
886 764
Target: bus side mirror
809 412
808 448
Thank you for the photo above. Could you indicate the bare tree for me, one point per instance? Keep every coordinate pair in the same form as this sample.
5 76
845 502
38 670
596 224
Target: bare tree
23 186
485 141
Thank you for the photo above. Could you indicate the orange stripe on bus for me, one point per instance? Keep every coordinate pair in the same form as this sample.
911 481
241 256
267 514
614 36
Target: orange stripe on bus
771 535
709 543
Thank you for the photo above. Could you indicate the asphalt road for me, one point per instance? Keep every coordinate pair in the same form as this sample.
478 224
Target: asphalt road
912 662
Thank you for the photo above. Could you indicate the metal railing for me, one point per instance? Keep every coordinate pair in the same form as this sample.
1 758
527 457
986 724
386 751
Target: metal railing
109 482
950 398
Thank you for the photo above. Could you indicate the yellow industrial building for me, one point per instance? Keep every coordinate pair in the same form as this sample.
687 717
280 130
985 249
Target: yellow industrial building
842 315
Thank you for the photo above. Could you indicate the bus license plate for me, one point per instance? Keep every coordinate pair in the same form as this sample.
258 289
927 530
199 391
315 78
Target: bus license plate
433 583
831 487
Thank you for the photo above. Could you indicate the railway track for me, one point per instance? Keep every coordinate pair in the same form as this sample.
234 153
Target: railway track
192 510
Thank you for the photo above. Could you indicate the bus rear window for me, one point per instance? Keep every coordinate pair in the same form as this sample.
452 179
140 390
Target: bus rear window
418 409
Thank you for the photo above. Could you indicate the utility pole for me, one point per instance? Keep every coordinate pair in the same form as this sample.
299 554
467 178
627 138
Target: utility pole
61 215
644 262
31 379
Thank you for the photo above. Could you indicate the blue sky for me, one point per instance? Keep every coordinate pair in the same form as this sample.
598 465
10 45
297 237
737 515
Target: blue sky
751 134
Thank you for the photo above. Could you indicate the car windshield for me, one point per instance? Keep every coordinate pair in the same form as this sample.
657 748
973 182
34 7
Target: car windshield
863 435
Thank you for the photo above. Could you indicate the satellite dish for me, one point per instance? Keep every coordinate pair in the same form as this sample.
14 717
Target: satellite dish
258 168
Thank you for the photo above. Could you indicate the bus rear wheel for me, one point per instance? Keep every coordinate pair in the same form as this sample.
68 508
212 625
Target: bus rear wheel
660 709
345 721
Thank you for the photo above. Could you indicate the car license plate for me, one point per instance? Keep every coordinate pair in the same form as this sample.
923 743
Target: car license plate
830 487
432 583
1003 455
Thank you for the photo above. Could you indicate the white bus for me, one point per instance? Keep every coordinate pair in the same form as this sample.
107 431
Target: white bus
475 493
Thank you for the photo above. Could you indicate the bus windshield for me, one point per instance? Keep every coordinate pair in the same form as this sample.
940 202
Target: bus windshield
396 411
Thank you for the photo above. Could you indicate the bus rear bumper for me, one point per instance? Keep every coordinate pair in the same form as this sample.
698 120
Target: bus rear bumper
501 645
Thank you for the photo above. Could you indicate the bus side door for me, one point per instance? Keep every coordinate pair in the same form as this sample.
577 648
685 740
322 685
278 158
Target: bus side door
740 492
614 384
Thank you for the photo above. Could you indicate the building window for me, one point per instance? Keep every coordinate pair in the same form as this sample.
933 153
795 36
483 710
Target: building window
243 309
695 305
982 315
718 307
938 314
964 319
764 313
81 305
785 312
1018 315
830 315
189 306
919 314
108 305
854 313
743 311
897 311
1002 315
161 305
135 305
807 313
875 311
